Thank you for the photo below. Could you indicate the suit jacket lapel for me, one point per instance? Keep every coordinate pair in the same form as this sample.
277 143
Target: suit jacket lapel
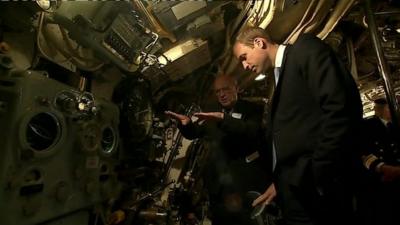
277 91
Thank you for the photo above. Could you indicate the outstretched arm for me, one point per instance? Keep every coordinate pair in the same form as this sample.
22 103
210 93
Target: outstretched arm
210 116
186 127
248 127
183 119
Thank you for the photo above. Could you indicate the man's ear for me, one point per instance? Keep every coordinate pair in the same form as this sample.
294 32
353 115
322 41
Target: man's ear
260 43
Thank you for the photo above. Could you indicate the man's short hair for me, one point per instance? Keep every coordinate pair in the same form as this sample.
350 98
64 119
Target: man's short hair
248 35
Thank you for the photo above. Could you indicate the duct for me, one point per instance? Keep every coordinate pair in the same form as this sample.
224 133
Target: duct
229 63
276 21
270 14
314 15
161 31
341 8
262 13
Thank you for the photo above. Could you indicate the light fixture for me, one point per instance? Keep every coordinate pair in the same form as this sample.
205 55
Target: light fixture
48 5
260 77
162 60
182 49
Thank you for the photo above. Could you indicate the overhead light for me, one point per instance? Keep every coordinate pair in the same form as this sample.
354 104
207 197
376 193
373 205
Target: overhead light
162 60
260 77
48 5
181 50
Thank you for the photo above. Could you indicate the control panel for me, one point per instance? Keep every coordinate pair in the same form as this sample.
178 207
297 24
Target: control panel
121 39
127 37
59 149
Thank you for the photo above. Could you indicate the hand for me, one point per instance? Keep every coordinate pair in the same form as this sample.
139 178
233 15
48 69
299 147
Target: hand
191 219
182 118
116 217
390 173
4 47
266 197
209 115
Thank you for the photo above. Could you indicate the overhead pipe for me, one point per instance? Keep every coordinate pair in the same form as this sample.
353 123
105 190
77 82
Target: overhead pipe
382 66
387 13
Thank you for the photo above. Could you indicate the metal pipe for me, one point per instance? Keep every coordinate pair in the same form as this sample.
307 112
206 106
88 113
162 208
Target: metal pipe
82 83
387 13
159 29
382 66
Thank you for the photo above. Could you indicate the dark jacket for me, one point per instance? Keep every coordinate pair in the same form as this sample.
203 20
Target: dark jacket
316 112
315 115
378 201
229 142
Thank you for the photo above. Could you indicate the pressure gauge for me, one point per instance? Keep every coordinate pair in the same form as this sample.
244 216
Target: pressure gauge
44 4
48 5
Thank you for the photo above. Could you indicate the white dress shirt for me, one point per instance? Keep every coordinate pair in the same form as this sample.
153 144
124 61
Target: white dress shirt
278 63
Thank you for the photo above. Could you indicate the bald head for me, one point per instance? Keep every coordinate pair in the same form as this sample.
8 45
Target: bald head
226 90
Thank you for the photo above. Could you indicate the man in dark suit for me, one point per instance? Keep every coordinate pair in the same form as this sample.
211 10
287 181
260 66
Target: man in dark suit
232 132
315 116
380 192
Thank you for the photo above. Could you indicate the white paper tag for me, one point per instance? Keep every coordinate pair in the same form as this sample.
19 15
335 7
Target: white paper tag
237 115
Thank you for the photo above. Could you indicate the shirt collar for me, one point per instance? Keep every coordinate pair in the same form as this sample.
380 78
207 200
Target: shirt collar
279 55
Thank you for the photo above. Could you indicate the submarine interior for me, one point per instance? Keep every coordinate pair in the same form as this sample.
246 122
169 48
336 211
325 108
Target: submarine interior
84 86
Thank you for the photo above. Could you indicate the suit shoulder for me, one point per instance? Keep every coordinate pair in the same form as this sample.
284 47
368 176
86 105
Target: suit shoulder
309 42
371 119
308 38
372 122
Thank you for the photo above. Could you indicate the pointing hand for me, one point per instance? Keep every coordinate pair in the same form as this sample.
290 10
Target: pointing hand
184 120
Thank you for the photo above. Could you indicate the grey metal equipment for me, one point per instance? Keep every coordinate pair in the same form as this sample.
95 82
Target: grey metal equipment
120 40
58 157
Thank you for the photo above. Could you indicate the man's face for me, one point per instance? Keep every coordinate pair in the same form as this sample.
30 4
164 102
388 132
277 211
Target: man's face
254 58
225 91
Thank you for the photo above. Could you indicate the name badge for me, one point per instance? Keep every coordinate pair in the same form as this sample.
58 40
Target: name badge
237 115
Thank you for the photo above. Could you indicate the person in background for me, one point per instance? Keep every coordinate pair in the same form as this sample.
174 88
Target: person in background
315 116
380 196
232 131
